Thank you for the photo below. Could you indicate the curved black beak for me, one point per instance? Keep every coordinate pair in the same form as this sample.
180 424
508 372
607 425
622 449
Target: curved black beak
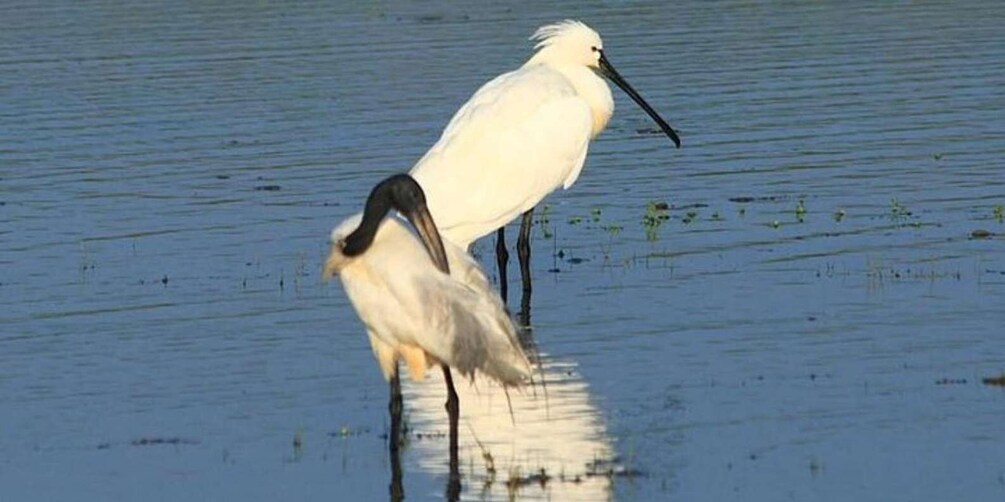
423 222
402 193
608 71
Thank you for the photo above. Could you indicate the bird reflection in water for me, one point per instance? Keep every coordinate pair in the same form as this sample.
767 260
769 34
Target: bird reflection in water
543 441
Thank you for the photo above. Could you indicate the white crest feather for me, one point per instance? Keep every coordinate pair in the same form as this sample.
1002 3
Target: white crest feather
549 33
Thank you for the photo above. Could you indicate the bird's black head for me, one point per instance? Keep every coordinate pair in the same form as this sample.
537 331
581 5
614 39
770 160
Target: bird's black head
399 192
402 193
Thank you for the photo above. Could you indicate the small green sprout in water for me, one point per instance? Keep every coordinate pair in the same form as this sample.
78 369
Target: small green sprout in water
839 215
490 463
614 230
656 214
937 156
999 213
575 220
801 211
742 211
898 211
716 216
595 214
544 219
775 223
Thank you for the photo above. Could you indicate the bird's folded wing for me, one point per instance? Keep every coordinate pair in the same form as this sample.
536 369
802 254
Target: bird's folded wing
516 141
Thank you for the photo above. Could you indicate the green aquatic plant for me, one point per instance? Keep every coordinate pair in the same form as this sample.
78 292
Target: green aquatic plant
544 216
839 215
656 214
544 220
595 214
999 213
898 211
689 217
575 220
612 232
800 211
775 223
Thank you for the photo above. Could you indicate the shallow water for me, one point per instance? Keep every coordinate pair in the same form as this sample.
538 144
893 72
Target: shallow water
169 173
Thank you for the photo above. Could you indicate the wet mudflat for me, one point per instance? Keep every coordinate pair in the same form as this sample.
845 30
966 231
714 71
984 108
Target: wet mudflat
802 303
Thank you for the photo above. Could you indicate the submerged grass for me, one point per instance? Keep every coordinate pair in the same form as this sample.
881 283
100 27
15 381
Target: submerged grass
656 213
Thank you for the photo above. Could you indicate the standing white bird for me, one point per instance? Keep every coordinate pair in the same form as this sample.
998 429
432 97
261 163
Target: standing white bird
521 136
422 299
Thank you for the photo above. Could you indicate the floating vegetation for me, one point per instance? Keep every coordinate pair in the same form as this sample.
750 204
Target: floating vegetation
745 199
998 381
999 213
595 214
775 223
880 273
155 441
611 469
516 481
689 217
345 431
839 215
951 381
898 211
656 214
800 211
544 220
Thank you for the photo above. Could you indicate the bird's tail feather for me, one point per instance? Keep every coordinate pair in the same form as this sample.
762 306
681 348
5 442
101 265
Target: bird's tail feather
489 346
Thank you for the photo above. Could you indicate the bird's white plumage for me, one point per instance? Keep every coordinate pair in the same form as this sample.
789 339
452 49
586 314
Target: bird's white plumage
409 305
520 136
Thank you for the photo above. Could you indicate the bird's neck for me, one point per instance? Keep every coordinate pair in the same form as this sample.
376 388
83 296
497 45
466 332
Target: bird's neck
592 88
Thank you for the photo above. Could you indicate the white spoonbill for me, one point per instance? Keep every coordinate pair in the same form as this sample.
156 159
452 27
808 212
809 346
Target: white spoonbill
413 306
521 136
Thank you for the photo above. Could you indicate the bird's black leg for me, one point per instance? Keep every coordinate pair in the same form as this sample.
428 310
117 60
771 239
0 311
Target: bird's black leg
453 414
395 407
523 250
502 257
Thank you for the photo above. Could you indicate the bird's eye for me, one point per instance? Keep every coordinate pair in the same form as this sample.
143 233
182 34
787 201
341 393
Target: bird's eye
594 48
